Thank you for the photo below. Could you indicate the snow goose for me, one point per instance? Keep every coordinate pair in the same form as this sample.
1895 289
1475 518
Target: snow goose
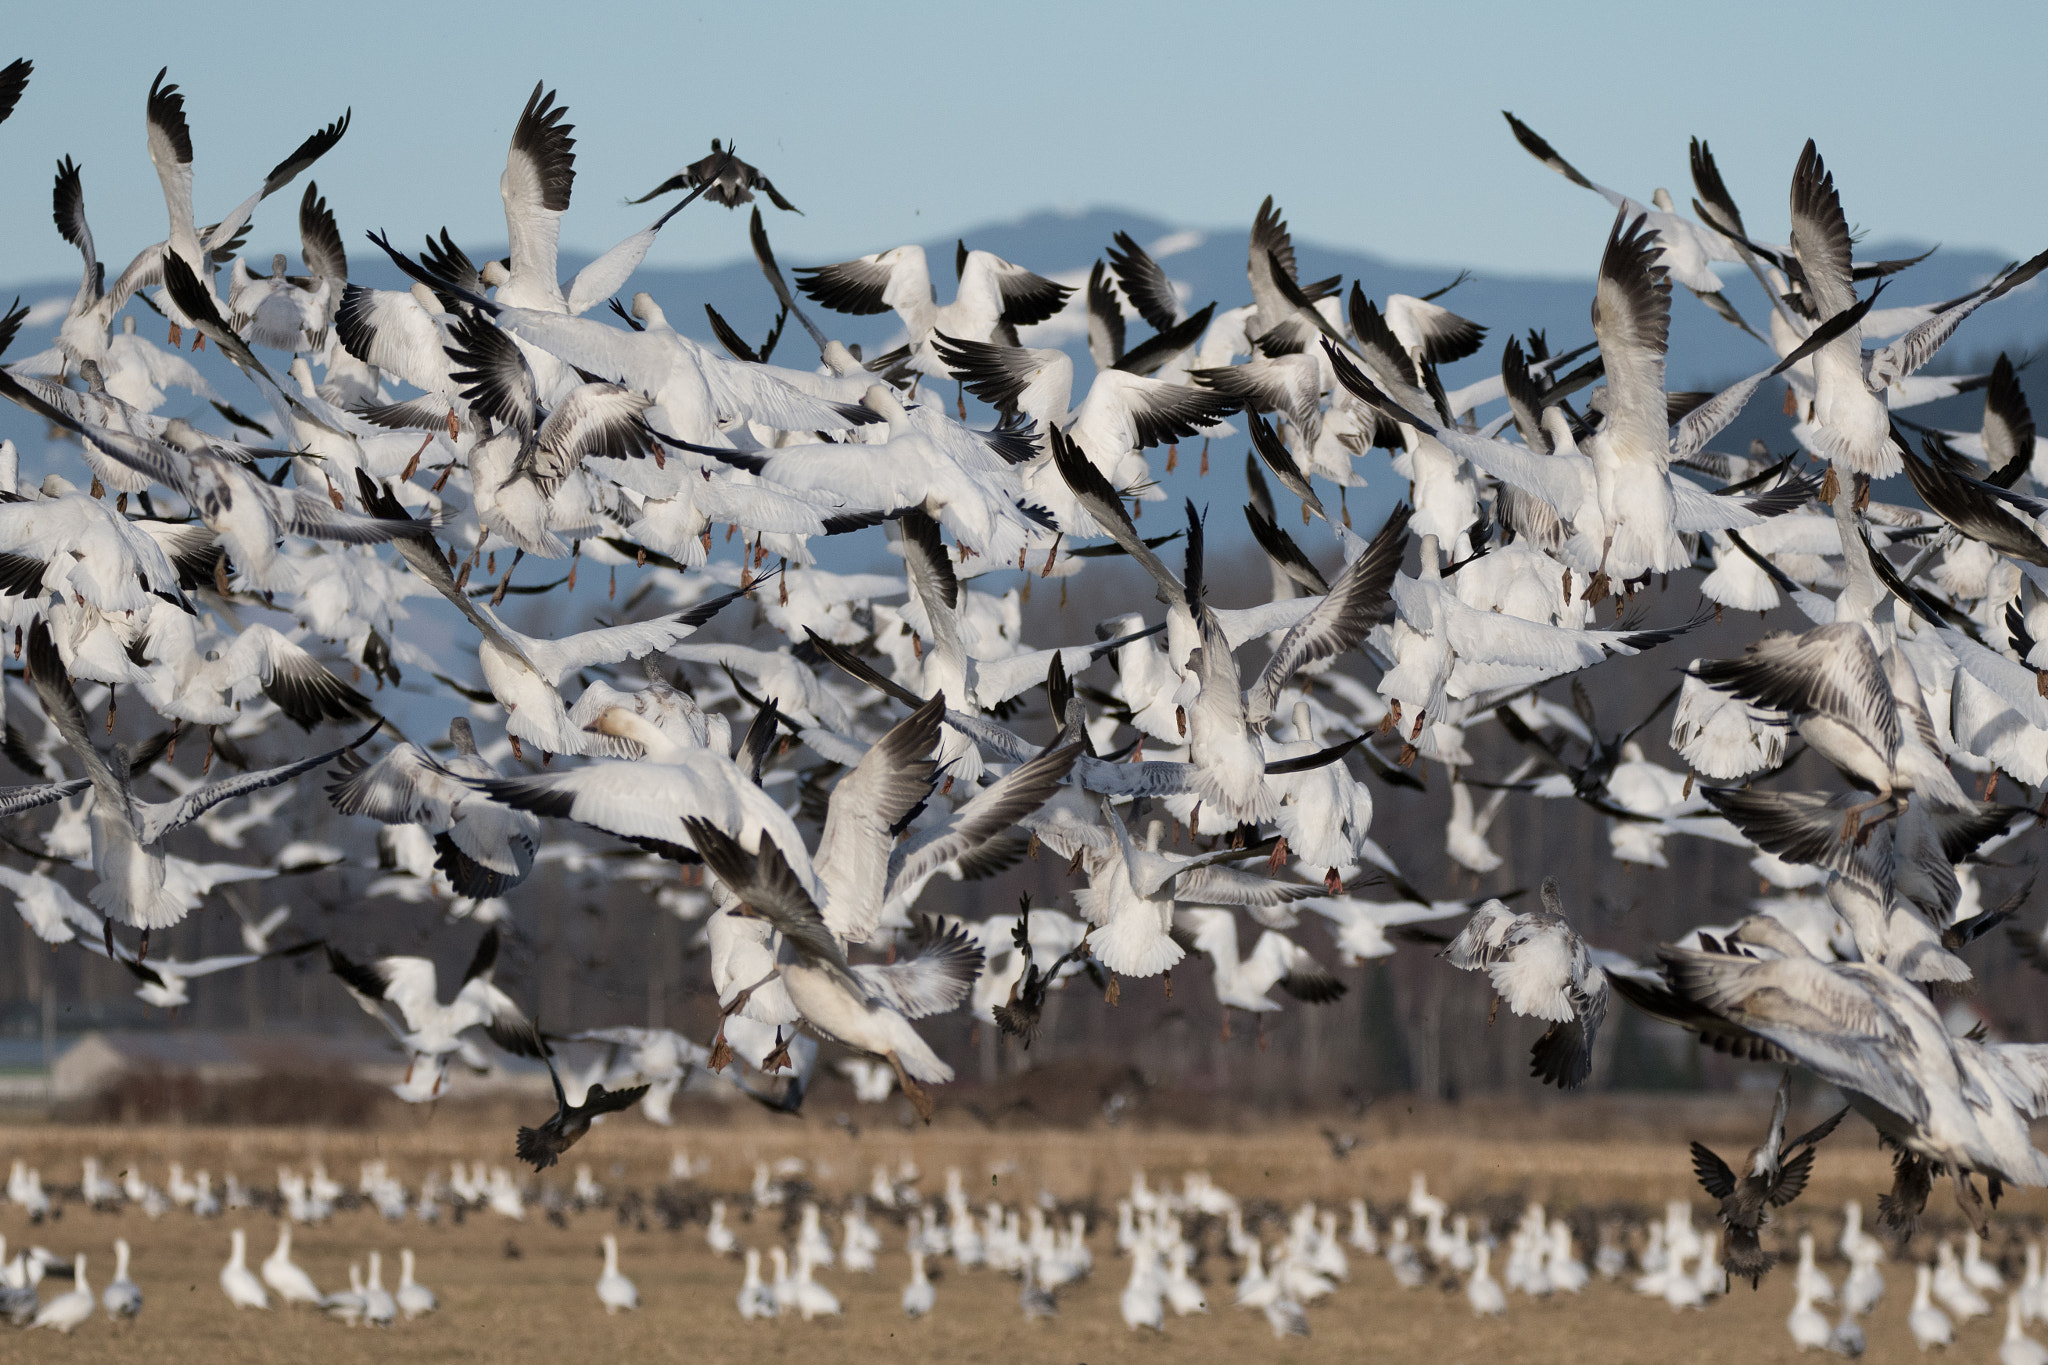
71 1308
1774 1175
122 1297
1543 969
614 1290
1808 1326
127 833
1957 1294
413 1298
1978 1272
241 1286
756 1300
1143 1301
1847 421
1846 703
380 1309
483 847
1809 1279
1687 250
2017 1348
918 1296
1873 1034
347 1304
426 1028
867 1008
1275 960
1929 1325
1482 1291
1132 890
810 1299
994 298
542 1147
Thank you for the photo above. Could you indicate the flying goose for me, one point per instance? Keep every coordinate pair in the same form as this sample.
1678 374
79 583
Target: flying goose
994 298
1543 969
867 1008
724 178
128 854
1774 1175
542 1147
427 1029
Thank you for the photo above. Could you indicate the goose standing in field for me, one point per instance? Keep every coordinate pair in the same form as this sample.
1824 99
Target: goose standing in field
1808 1326
241 1286
717 1235
614 1290
918 1296
2016 1347
281 1273
1542 968
348 1304
1979 1273
71 1308
1482 1291
413 1298
122 1298
380 1309
756 1300
810 1298
1929 1325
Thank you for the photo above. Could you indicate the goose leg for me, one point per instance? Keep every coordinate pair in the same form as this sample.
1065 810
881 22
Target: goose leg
920 1099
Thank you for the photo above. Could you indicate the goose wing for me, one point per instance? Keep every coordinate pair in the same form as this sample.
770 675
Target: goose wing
1354 602
933 976
866 807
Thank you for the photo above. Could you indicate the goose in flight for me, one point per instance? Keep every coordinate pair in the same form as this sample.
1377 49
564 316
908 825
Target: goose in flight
869 1007
1863 714
127 833
484 848
166 980
995 298
540 173
249 514
198 251
1543 969
724 179
1774 1175
1132 891
1941 1102
1275 960
542 1147
1847 419
1687 250
427 1029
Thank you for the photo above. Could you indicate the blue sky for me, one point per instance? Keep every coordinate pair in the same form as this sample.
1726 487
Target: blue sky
1376 127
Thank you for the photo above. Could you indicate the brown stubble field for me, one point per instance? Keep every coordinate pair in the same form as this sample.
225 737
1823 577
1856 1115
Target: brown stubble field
541 1303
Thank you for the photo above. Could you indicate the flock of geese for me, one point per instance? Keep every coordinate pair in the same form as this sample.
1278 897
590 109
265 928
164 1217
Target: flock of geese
883 729
1190 1250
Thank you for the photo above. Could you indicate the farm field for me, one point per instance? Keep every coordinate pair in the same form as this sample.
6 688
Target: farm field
524 1290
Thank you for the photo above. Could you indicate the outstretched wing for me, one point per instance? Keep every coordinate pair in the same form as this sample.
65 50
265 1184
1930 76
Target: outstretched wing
1714 1175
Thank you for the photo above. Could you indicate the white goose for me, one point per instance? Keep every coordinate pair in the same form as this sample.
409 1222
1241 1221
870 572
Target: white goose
414 1299
614 1290
241 1286
282 1274
71 1308
918 1296
123 1298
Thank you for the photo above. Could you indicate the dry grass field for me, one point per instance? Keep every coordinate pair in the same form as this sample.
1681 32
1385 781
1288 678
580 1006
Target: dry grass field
524 1291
